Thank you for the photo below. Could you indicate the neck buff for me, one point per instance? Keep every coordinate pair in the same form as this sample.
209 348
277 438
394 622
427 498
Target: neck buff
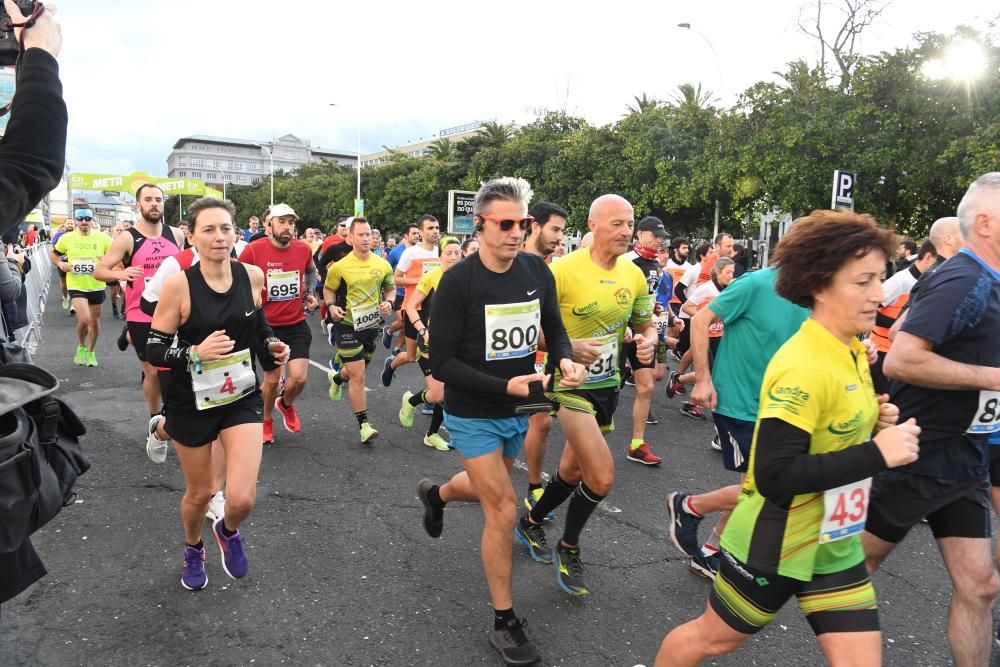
644 252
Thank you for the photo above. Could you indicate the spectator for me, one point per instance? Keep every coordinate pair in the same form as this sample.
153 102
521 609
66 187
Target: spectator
31 236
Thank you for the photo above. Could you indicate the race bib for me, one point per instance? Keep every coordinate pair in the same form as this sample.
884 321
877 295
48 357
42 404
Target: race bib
512 330
987 419
661 325
606 364
283 286
83 266
845 509
366 317
429 266
222 381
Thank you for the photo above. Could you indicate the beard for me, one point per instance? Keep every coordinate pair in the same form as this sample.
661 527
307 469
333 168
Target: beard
152 216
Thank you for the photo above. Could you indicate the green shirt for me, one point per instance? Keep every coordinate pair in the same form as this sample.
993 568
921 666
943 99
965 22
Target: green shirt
83 254
758 322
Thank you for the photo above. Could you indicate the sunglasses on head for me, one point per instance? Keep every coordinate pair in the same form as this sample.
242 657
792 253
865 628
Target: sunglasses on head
84 219
507 225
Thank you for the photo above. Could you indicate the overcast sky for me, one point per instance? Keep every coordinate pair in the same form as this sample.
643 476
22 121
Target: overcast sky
138 76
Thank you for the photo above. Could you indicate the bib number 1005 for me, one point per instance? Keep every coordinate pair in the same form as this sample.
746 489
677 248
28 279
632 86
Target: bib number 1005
512 330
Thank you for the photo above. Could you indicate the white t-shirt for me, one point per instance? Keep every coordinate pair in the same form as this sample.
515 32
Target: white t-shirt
689 279
412 253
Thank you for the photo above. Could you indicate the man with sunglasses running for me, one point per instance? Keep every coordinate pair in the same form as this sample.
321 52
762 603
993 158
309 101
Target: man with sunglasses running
488 313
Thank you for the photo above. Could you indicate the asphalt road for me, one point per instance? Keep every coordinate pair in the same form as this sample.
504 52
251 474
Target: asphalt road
341 571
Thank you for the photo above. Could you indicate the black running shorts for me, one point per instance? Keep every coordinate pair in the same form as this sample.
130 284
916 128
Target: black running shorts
298 337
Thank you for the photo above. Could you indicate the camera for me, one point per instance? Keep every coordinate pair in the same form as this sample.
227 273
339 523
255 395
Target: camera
9 48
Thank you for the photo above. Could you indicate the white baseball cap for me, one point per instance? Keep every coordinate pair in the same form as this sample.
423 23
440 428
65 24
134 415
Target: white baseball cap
282 209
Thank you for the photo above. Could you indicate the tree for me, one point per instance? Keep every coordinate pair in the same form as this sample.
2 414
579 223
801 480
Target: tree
441 150
688 95
643 104
855 16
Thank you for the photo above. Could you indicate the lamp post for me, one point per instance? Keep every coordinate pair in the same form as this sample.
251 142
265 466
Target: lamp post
270 157
722 87
357 193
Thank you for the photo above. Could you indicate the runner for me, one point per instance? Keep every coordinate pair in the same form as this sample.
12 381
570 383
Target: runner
451 254
546 232
470 246
213 310
357 294
288 266
414 263
943 365
67 227
410 237
599 292
83 249
687 283
650 234
141 250
115 287
795 529
487 312
676 267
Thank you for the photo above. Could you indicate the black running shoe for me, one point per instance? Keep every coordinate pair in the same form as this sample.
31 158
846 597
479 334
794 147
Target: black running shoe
513 644
683 525
569 570
122 340
533 536
433 516
705 566
651 419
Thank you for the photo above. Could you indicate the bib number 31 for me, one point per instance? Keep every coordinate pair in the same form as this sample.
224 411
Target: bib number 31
512 330
845 510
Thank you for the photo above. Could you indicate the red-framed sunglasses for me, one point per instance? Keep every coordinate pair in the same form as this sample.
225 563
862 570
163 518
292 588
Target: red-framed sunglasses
507 225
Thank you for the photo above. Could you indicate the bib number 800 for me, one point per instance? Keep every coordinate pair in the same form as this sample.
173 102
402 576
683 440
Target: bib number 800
515 338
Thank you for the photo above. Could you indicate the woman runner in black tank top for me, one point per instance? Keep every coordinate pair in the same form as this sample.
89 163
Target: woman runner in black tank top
214 310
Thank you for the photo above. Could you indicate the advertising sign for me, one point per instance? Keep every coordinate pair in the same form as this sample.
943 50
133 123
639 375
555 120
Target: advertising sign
460 204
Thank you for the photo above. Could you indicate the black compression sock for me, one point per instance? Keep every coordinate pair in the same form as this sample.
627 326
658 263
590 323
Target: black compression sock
225 531
199 546
436 418
338 380
581 506
556 493
283 404
417 399
434 496
361 416
503 616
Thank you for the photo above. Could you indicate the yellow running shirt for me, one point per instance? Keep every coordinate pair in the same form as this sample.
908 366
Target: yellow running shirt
83 254
359 285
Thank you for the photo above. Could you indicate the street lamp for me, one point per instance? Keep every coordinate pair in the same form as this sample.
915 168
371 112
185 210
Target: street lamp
357 194
270 157
722 93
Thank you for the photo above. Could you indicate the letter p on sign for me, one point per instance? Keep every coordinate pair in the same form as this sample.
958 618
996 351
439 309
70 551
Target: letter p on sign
843 190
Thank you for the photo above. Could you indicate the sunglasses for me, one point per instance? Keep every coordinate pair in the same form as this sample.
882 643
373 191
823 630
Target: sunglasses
84 219
506 225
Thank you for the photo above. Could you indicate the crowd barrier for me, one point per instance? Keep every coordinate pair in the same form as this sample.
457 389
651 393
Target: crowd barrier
36 283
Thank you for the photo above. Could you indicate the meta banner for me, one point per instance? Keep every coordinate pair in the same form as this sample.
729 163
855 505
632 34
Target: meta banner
130 183
460 206
843 190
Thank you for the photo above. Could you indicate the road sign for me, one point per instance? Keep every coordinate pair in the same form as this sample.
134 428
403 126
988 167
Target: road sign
460 205
843 190
359 208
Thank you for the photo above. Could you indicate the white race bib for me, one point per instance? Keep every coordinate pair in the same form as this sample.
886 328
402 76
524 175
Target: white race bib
366 317
83 266
987 419
222 381
845 509
283 286
512 330
606 364
429 266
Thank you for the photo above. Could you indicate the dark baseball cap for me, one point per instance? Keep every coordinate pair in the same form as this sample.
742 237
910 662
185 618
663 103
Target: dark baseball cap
653 224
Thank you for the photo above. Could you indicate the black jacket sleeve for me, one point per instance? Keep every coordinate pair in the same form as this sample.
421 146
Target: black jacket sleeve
446 325
783 466
33 150
556 339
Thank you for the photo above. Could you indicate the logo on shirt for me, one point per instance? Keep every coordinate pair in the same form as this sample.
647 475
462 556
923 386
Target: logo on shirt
845 430
376 274
789 399
624 297
584 311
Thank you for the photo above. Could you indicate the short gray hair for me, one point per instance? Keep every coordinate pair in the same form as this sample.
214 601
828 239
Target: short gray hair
505 188
970 205
722 263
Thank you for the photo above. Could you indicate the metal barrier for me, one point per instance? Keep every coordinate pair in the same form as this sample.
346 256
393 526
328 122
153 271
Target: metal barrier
36 283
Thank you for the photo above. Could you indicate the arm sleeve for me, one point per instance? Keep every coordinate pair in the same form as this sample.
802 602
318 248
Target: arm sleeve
160 352
680 291
447 324
556 338
33 149
783 466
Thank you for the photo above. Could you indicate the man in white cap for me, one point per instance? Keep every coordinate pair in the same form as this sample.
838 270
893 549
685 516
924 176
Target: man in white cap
290 275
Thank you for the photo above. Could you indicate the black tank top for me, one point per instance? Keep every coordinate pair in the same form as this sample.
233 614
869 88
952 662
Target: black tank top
233 311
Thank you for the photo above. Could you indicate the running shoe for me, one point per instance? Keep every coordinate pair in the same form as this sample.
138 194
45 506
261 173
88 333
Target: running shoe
193 576
433 516
674 385
437 442
533 536
387 371
641 454
532 498
406 411
114 313
651 419
569 570
427 410
336 390
156 449
234 558
288 416
693 411
368 433
65 303
331 334
123 339
386 337
216 507
676 356
705 566
268 438
683 525
513 644
91 359
80 359
716 444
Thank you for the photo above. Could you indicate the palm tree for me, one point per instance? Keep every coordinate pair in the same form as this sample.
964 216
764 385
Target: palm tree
497 134
691 96
643 104
441 150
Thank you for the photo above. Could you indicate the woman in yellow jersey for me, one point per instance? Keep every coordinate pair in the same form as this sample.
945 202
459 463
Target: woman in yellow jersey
795 530
451 253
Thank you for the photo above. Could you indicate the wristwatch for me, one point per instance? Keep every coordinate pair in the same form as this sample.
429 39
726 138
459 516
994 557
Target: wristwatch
271 340
422 331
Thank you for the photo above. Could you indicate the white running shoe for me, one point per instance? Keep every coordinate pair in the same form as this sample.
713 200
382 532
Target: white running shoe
216 507
156 449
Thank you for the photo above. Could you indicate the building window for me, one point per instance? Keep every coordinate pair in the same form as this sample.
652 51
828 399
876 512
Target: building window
210 164
197 162
255 166
209 176
183 174
195 174
183 162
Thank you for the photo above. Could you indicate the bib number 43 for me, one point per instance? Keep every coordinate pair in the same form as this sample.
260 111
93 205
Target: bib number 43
845 510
